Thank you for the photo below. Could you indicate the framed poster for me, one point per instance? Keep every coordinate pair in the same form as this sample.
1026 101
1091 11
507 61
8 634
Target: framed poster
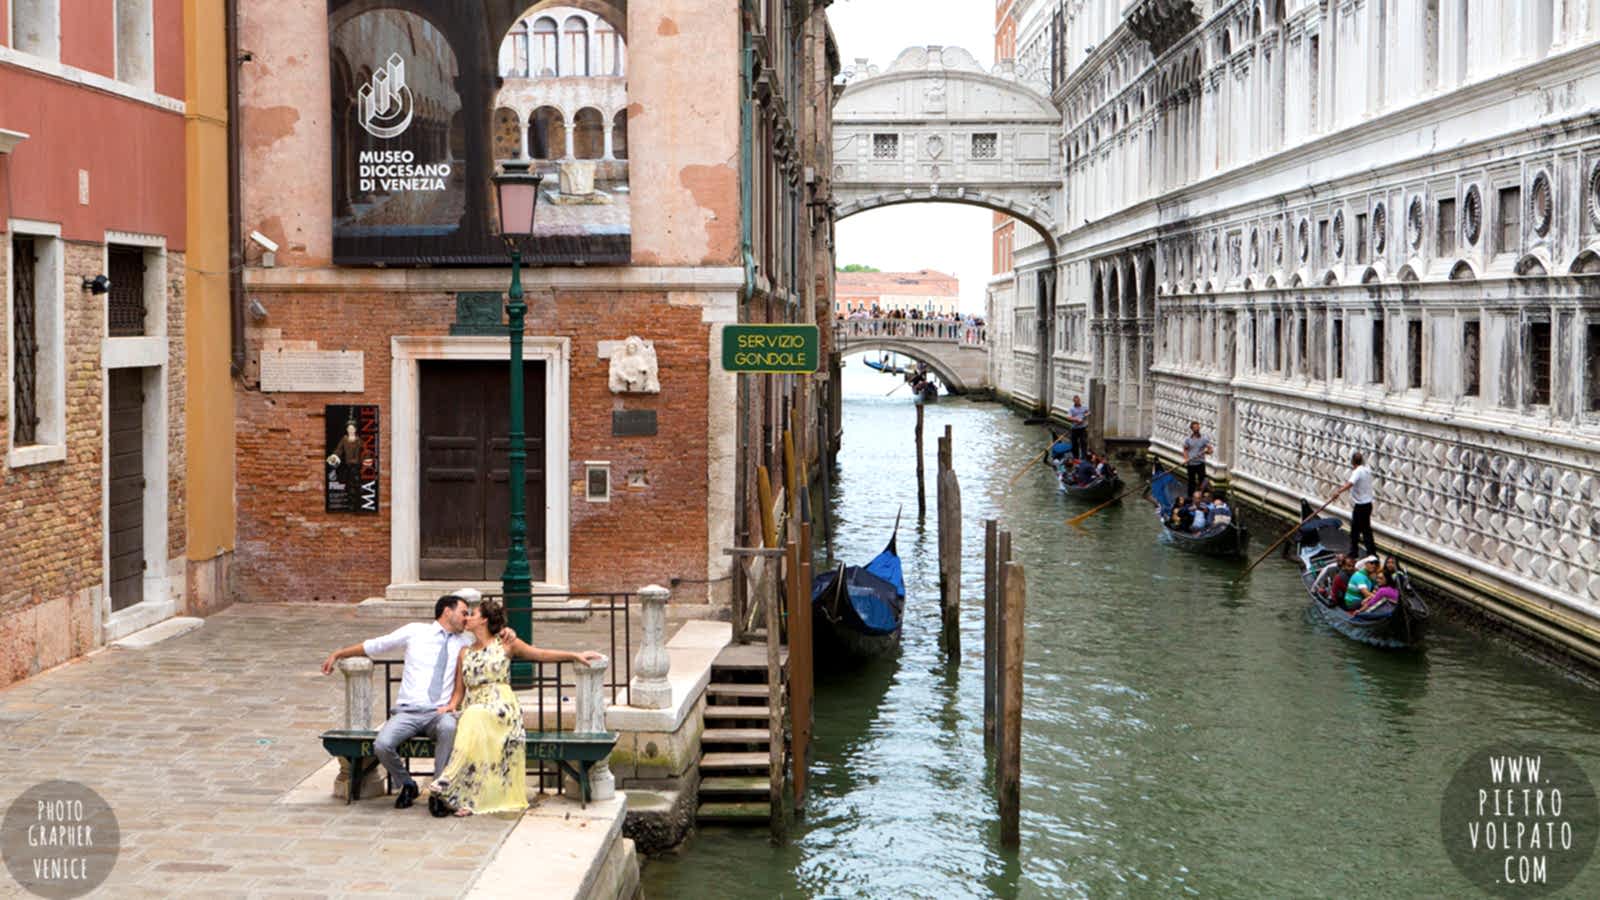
350 470
429 96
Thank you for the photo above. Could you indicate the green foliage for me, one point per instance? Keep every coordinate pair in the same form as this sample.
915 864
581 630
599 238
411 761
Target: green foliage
858 267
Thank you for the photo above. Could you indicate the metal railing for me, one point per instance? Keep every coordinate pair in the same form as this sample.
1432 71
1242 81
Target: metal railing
911 329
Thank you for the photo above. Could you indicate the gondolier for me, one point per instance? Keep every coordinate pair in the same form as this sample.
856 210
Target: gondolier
1078 415
1196 447
1361 495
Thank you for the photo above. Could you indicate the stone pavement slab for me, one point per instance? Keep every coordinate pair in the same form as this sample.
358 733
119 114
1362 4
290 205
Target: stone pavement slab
197 740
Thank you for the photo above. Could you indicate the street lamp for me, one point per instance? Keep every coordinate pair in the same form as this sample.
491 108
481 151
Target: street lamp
518 192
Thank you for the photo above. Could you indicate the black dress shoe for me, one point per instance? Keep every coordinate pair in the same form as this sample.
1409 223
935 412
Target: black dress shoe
408 795
437 806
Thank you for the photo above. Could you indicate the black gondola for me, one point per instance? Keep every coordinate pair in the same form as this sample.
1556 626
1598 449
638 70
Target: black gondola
1391 625
858 617
1227 540
1096 490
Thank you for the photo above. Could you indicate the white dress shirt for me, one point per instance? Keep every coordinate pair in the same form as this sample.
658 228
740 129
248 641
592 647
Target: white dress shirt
1361 485
421 641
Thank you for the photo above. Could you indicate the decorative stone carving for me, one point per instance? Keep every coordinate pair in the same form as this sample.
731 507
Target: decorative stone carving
1216 252
1414 223
1380 228
1472 216
650 688
591 715
1255 249
1304 239
1277 245
633 369
1539 205
577 177
935 97
1594 195
934 146
1338 234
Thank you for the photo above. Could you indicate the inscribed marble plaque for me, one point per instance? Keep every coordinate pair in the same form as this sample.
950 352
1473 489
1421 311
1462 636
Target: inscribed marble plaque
313 370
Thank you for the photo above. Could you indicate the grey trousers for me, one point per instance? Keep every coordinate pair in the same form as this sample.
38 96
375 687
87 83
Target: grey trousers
405 724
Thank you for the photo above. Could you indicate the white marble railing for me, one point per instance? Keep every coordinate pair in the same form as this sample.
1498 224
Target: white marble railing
913 329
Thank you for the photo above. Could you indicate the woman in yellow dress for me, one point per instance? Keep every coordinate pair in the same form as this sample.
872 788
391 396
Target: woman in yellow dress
486 769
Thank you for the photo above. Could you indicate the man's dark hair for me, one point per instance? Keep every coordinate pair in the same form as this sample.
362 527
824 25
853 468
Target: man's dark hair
1194 424
1357 459
448 601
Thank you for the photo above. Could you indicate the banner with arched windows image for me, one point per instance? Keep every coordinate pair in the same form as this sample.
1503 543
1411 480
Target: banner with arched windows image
431 97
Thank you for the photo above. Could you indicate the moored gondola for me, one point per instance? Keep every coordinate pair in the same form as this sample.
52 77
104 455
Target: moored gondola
857 610
1393 625
1226 540
1095 490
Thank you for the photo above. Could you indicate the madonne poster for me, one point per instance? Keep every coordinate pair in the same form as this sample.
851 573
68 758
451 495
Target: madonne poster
429 97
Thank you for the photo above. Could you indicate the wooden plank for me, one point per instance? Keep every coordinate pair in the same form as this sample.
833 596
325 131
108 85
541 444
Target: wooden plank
738 712
791 478
733 784
740 690
769 525
734 736
745 657
723 762
1010 762
732 813
990 547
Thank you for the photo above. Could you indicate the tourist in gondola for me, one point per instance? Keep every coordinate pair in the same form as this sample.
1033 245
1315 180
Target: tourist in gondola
1102 466
1362 584
1058 450
1083 472
1361 494
1078 415
1221 512
1183 514
1196 447
1201 517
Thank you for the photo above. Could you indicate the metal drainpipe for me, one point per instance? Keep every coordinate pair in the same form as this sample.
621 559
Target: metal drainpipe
235 247
741 481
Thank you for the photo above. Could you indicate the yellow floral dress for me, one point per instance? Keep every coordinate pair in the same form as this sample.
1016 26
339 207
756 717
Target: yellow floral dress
486 772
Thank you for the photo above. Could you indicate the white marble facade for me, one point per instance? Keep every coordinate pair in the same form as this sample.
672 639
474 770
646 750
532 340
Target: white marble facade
1319 227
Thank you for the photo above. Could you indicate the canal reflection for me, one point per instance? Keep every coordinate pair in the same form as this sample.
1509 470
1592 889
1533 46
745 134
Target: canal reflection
1185 731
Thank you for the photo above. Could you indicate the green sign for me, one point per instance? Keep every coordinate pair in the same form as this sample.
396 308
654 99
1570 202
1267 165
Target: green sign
772 349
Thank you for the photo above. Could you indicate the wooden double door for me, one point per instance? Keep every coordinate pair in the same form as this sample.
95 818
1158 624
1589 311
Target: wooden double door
126 487
465 423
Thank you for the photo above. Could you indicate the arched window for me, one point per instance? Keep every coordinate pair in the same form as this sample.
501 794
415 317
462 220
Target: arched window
575 41
611 54
544 59
619 134
547 134
589 134
514 53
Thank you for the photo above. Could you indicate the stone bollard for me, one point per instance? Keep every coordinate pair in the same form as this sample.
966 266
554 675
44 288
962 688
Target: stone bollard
649 688
591 718
358 694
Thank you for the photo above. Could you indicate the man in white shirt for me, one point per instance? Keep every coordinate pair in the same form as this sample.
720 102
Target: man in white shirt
1361 495
426 684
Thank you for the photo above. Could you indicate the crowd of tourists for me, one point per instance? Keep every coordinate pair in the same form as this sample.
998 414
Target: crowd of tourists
1360 586
965 328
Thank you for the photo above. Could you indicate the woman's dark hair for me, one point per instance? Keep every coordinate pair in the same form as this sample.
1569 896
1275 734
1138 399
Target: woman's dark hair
494 615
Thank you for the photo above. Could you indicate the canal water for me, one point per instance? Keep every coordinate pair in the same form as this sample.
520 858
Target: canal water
1183 735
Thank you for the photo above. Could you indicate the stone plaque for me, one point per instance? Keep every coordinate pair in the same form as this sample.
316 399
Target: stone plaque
313 370
633 422
478 313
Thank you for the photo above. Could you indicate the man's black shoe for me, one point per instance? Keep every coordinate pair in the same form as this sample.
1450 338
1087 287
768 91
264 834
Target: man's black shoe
408 795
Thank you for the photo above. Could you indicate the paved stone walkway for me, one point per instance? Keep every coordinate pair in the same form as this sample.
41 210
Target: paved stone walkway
197 740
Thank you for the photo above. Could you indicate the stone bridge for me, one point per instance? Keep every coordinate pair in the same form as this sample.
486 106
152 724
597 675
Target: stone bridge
936 128
956 352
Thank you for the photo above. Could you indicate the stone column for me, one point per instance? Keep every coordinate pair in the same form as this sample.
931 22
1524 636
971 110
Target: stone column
605 131
649 688
358 693
522 135
592 718
571 129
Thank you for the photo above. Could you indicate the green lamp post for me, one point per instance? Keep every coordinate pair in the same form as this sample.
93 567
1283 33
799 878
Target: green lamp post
518 190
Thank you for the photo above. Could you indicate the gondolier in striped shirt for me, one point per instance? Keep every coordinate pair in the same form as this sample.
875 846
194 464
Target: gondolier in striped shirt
1196 447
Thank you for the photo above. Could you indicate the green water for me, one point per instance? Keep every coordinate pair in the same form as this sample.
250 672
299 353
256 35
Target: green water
1182 735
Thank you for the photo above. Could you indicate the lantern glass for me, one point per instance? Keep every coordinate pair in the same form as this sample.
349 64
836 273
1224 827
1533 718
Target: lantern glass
518 193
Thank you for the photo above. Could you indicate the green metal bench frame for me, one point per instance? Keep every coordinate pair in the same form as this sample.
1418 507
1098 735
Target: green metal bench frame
574 752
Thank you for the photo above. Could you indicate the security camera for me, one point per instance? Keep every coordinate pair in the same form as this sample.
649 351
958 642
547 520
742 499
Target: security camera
266 243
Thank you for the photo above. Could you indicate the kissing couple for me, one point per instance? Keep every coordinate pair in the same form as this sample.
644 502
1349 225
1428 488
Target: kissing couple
476 723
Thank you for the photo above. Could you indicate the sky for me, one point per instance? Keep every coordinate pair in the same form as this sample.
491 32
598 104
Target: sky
945 236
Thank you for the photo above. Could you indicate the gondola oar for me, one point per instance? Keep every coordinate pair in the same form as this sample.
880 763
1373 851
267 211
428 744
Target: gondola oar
1025 468
1286 536
1081 516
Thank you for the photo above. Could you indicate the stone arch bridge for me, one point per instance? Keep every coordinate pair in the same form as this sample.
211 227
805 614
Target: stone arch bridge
956 352
936 128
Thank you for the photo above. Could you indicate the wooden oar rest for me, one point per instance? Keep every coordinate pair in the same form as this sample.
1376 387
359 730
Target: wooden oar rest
575 753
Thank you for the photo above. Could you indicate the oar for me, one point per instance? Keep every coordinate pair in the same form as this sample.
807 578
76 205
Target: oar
896 388
1081 516
1286 535
1034 460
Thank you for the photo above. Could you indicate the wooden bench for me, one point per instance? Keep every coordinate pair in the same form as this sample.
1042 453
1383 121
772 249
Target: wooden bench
575 753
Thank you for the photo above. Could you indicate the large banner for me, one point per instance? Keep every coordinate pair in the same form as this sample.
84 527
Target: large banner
430 96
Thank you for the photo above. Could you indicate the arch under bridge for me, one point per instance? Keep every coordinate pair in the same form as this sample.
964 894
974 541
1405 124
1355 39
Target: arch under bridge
955 352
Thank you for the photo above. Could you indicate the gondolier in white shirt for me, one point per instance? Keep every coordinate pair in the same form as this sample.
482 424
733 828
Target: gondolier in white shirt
426 684
1196 447
1361 495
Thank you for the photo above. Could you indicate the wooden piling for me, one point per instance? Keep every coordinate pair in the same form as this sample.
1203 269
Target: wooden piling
922 497
949 500
990 623
1008 769
802 668
774 679
1002 557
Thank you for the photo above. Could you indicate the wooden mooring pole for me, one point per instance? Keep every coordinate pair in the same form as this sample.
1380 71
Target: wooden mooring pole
922 497
949 500
1008 768
990 576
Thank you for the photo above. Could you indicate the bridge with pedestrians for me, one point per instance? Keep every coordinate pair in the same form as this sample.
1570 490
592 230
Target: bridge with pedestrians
957 352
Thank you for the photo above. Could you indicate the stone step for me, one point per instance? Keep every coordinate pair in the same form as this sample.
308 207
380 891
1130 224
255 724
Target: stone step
728 689
726 785
734 736
555 609
745 813
733 762
739 712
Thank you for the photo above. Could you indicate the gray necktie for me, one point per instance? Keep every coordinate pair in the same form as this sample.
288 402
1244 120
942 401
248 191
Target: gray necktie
436 687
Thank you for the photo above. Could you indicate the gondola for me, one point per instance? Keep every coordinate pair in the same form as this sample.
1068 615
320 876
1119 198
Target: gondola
858 617
1390 625
1097 491
884 366
925 391
1227 540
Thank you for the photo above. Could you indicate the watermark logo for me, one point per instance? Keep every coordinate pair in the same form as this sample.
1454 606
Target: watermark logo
60 839
384 105
1520 822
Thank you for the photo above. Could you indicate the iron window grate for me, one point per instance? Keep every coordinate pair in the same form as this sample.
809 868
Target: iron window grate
24 343
125 307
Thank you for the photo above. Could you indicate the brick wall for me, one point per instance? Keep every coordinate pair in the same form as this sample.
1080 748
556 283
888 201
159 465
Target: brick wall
290 549
177 393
